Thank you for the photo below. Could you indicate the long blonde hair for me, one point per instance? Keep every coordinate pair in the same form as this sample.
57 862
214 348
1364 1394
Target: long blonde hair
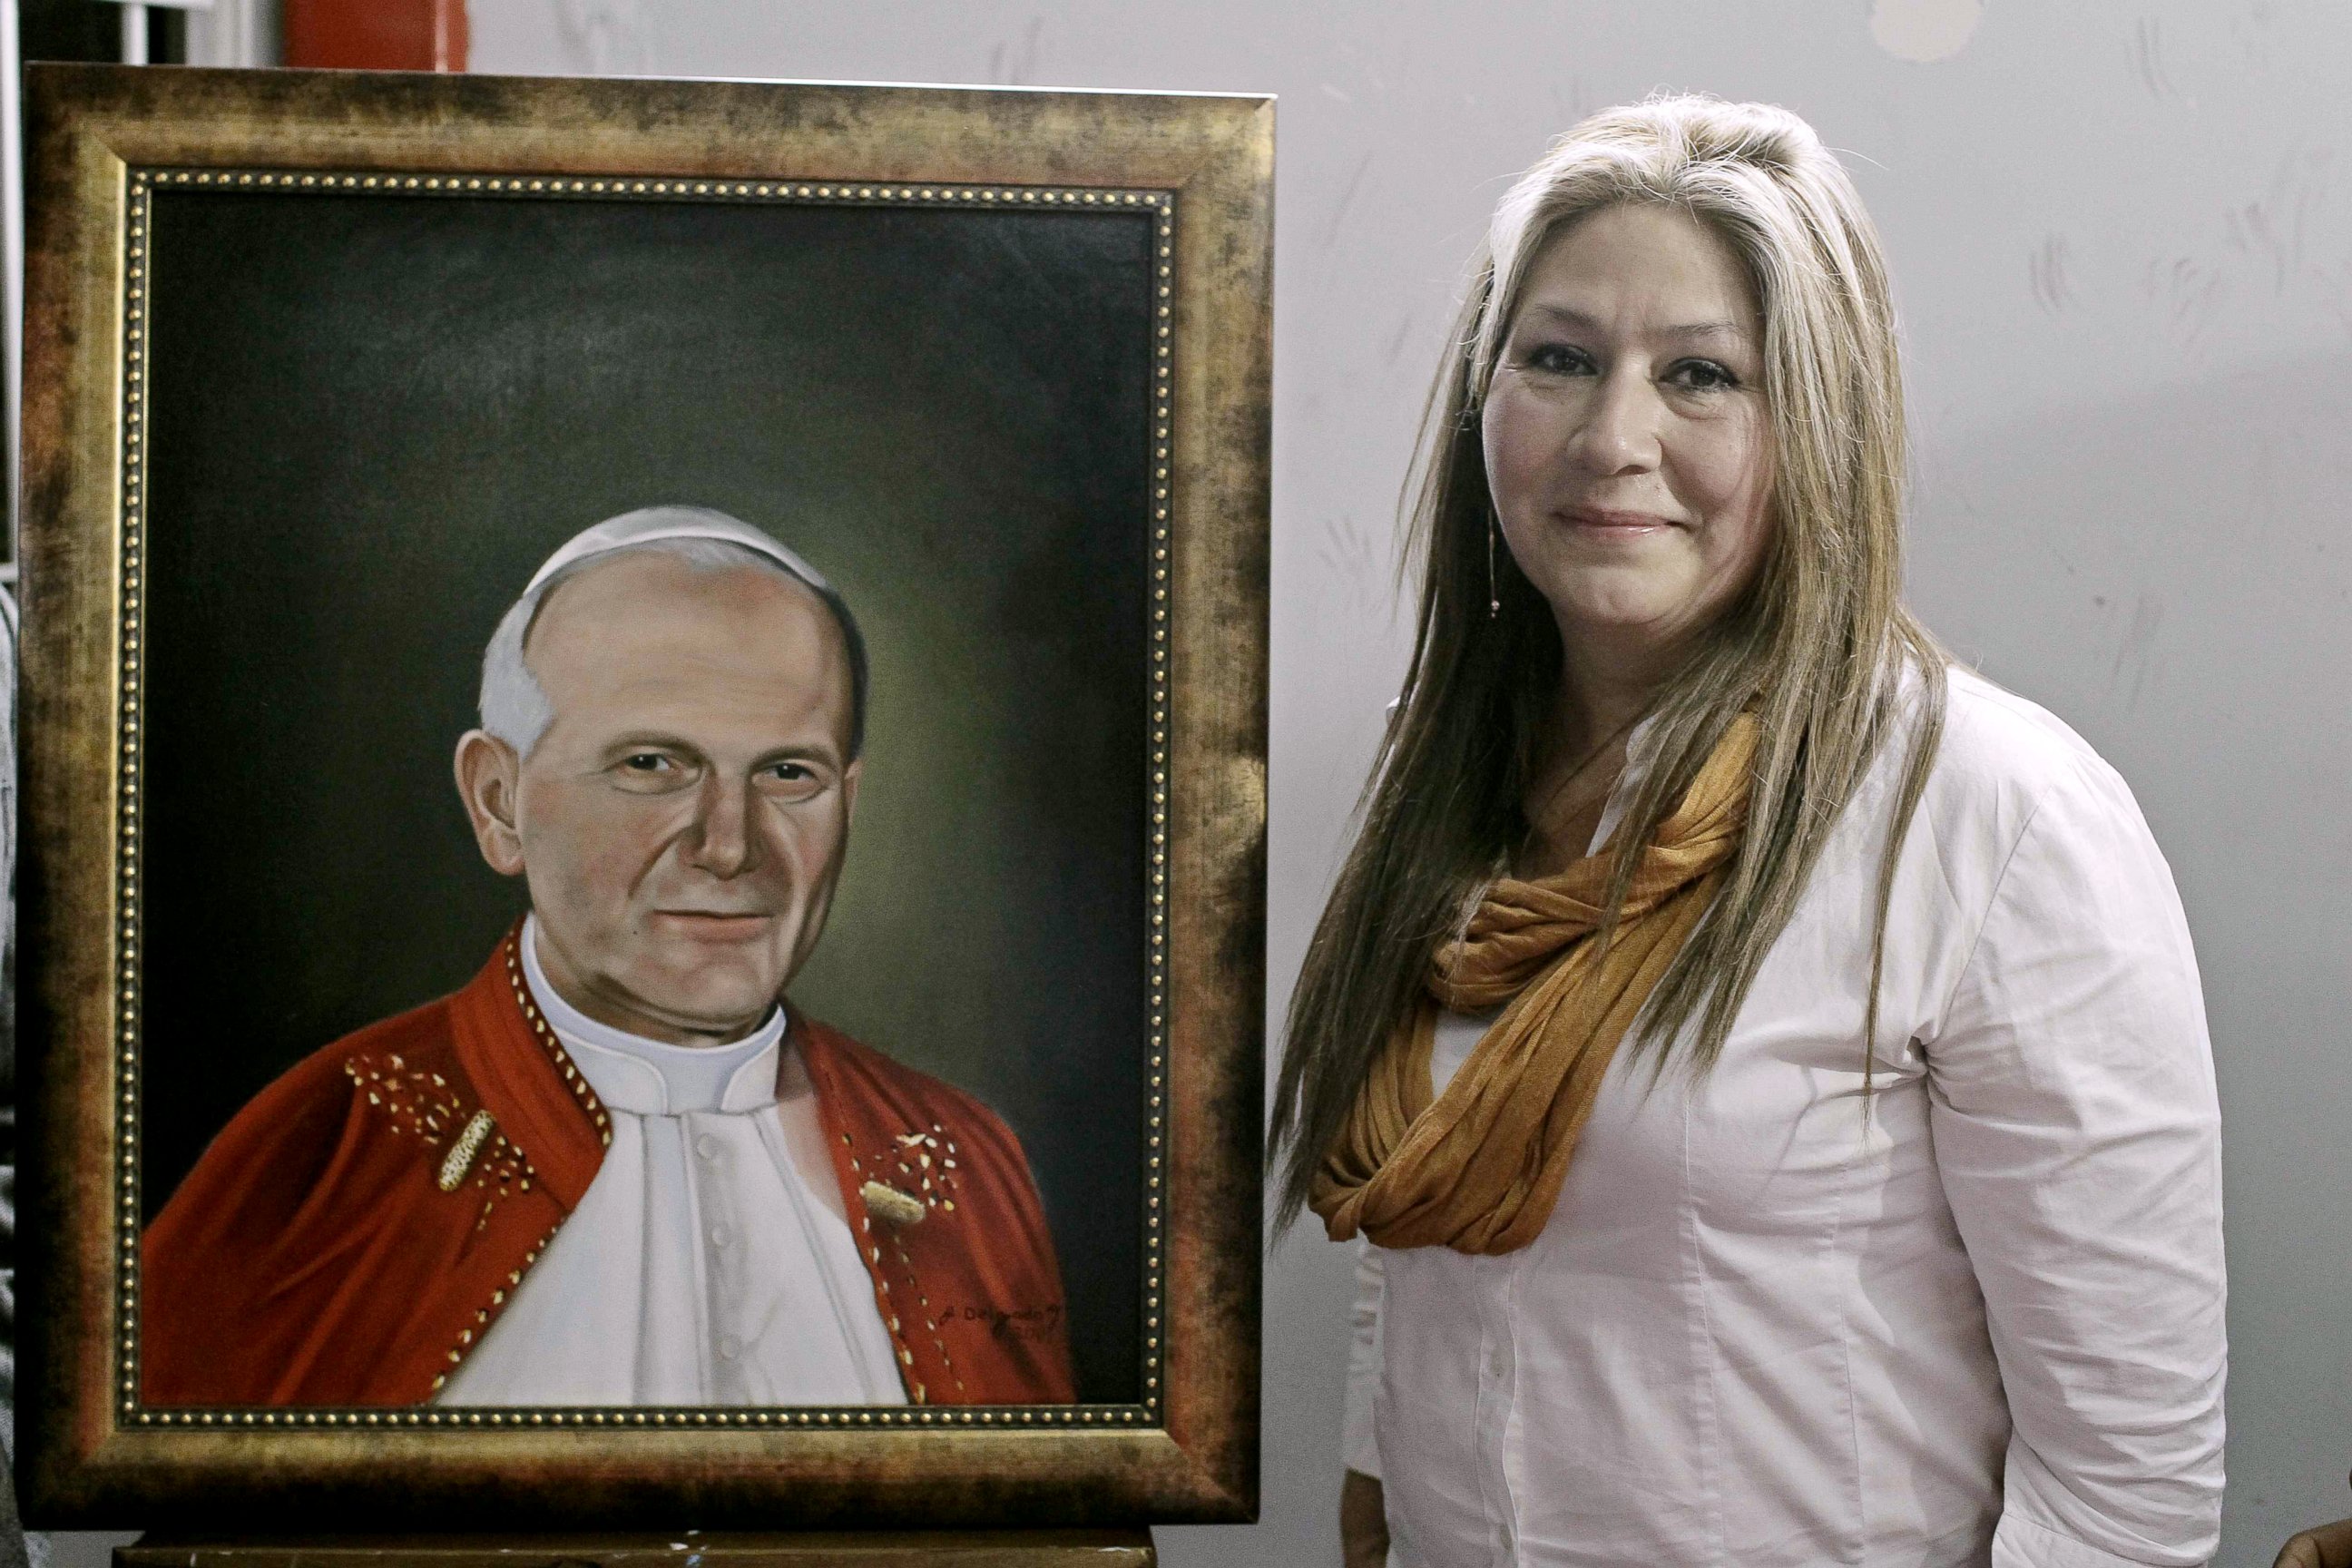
1818 648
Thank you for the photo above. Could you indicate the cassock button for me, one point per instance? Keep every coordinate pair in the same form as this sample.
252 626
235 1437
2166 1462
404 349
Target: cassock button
707 1146
720 1236
729 1347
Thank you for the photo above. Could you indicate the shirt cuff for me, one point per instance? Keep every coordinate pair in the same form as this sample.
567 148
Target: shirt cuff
2019 1542
1359 1448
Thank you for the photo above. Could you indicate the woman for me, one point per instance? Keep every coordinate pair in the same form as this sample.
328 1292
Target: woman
1767 1060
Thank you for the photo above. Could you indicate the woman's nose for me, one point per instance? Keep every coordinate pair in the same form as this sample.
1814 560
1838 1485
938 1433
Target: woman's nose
1619 434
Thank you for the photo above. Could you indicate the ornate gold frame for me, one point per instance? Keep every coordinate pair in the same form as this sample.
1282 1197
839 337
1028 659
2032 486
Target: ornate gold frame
100 142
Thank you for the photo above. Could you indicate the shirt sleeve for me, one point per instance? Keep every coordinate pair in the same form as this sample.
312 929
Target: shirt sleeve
2078 1138
1358 1444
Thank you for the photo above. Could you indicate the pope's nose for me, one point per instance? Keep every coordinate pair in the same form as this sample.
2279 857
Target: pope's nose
720 840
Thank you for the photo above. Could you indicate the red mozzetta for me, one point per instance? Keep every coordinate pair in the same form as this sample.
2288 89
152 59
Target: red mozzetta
358 1228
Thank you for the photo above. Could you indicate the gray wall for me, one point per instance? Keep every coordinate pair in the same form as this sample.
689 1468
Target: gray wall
2126 268
2124 251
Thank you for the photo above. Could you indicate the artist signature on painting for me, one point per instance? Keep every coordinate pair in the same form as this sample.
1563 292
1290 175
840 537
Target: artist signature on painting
1017 1323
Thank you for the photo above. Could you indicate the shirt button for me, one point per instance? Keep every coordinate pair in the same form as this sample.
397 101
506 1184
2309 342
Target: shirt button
729 1347
707 1146
720 1236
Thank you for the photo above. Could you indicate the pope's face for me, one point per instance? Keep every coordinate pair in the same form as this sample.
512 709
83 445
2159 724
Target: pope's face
682 820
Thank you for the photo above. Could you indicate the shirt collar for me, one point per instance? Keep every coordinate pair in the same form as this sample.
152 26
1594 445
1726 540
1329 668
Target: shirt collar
647 1078
1641 752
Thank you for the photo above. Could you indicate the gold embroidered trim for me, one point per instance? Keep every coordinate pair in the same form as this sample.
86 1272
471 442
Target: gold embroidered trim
933 1179
460 1158
468 1338
927 1160
572 1079
882 1286
421 1104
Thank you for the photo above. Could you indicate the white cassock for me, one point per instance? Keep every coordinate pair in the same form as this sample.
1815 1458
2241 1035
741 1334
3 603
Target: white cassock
698 1270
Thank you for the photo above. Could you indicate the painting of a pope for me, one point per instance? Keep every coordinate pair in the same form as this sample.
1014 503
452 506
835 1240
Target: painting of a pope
619 1168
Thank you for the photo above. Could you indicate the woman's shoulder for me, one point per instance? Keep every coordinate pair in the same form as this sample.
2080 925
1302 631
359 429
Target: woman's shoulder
2004 761
1995 739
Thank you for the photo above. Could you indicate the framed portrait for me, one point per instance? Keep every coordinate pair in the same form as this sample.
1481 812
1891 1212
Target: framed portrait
645 744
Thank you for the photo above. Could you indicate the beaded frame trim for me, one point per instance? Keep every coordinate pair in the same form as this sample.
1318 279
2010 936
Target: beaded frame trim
1158 206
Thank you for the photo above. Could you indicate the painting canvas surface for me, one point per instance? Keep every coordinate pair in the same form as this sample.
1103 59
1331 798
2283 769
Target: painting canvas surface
371 418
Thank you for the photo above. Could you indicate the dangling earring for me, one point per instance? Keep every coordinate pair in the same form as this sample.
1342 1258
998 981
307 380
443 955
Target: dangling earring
1494 595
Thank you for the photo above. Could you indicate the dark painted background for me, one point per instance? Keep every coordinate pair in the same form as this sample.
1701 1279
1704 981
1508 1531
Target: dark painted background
372 416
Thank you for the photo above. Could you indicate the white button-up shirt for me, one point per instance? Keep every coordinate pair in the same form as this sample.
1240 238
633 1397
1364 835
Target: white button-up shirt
698 1268
1974 1316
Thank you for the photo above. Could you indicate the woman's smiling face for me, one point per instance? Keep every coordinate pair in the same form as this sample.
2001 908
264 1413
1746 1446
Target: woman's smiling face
1628 445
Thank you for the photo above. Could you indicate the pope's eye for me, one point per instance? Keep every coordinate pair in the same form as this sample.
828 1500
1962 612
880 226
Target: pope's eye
791 782
649 772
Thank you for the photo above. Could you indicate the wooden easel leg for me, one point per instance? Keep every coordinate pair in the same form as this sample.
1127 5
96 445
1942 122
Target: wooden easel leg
1128 1548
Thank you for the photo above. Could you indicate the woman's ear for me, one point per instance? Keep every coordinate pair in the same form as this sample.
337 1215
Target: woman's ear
489 781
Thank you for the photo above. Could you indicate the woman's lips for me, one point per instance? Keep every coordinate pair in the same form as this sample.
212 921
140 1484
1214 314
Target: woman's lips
1610 520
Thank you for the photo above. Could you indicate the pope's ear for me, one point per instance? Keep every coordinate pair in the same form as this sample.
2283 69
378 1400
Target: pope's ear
849 776
489 781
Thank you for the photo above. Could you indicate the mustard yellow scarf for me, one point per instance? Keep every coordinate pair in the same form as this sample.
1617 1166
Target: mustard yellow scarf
1478 1168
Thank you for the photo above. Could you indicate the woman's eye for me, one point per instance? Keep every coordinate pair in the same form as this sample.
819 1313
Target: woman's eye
1557 359
1702 375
